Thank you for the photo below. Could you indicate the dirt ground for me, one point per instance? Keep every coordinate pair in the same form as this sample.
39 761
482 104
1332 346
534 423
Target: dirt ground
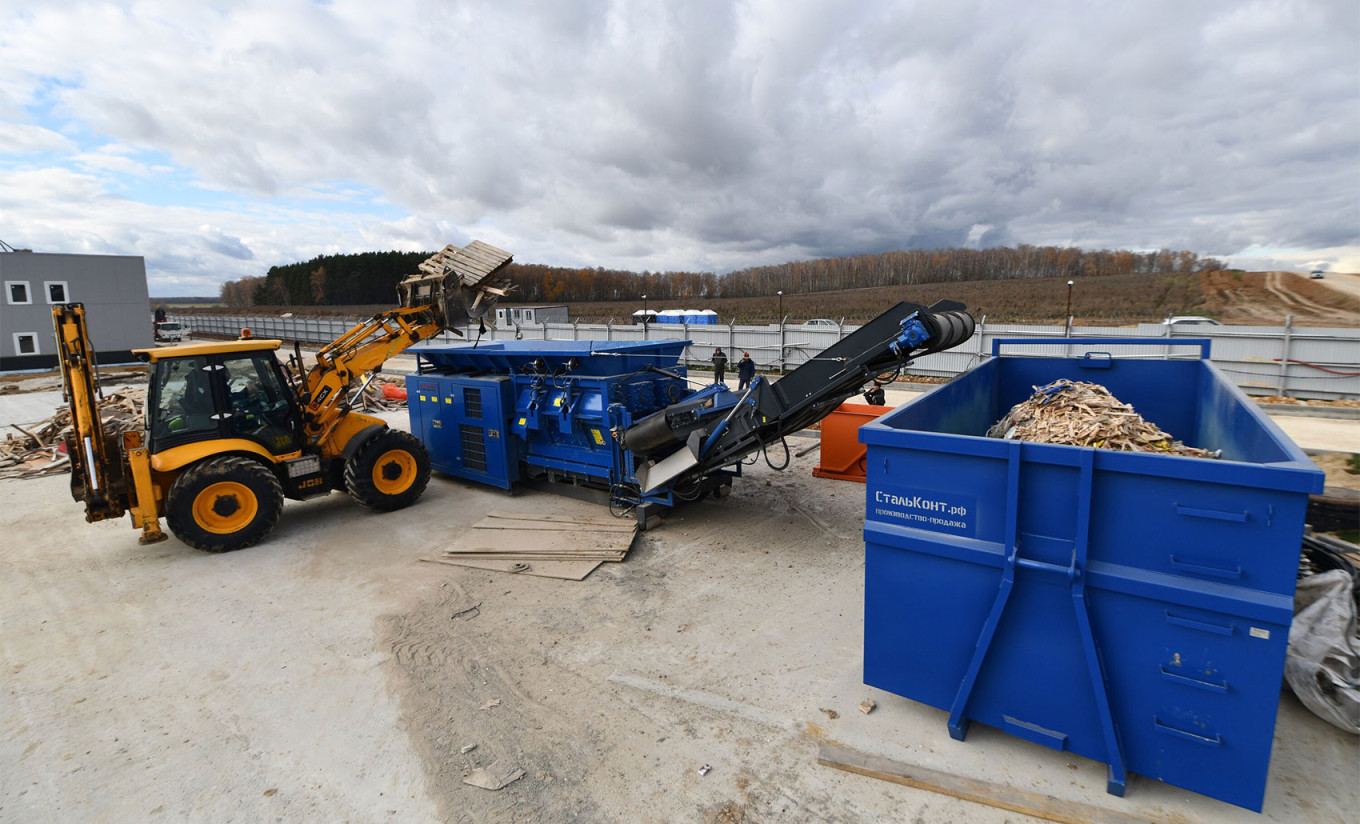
329 675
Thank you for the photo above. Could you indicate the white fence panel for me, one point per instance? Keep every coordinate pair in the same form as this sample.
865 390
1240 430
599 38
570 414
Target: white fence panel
1303 362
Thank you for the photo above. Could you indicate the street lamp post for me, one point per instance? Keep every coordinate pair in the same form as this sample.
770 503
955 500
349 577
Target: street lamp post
644 310
1068 314
780 293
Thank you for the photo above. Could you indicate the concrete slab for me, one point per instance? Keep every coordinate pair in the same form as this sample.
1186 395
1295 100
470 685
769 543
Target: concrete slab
327 675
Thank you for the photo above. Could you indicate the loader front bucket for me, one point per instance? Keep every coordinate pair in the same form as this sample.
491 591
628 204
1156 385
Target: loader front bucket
461 285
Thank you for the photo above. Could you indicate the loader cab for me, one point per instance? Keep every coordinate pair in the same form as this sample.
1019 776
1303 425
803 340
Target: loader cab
214 391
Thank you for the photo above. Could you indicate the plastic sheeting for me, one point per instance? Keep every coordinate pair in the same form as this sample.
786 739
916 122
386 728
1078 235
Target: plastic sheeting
1323 662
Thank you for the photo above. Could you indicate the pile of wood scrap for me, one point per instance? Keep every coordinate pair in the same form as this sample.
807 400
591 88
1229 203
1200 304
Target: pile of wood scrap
39 449
551 546
384 394
1077 413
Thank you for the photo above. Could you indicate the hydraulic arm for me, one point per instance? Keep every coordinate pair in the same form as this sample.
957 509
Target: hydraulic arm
108 477
717 434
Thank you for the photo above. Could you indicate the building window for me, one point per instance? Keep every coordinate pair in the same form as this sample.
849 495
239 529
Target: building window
56 291
25 343
16 292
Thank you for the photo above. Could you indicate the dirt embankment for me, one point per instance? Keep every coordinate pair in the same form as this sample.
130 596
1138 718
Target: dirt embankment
1268 297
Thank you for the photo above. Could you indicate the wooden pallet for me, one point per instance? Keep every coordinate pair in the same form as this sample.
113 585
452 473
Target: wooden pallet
551 545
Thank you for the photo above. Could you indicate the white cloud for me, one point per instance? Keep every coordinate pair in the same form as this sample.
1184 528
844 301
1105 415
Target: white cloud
26 138
698 135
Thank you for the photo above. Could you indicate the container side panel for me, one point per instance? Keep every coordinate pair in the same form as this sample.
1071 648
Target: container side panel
1194 693
1217 533
1034 672
922 617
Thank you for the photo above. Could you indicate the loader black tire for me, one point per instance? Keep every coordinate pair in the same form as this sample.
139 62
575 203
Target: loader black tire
388 472
224 504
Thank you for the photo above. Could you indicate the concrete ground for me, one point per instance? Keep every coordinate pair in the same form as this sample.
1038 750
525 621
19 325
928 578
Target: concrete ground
328 675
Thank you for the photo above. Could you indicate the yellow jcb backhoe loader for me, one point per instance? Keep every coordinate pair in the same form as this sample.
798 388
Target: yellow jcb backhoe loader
229 433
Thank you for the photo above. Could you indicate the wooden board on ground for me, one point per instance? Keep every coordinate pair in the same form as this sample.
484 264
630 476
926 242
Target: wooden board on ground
970 789
563 544
565 570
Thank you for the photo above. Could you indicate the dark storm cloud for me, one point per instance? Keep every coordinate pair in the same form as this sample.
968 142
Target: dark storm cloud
717 135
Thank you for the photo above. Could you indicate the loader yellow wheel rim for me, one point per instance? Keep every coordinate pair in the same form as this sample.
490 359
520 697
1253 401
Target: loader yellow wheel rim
225 507
394 472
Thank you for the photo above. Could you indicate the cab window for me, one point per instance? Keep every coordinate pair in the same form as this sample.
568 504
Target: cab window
184 398
258 402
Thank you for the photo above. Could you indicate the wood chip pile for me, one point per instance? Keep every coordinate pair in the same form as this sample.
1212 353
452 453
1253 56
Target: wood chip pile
1077 413
37 450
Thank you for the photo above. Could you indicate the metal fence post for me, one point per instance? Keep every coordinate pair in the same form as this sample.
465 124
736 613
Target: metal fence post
781 346
1284 355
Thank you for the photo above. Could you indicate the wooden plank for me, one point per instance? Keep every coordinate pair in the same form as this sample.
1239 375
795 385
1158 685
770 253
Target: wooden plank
478 260
622 531
516 539
971 789
545 543
621 523
498 556
563 570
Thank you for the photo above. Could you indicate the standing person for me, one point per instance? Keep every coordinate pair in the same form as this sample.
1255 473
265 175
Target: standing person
746 371
719 365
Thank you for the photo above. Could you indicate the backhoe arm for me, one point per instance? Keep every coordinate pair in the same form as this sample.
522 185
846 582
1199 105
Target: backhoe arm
96 467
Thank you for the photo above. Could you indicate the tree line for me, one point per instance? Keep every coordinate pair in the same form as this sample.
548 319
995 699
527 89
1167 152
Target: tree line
372 277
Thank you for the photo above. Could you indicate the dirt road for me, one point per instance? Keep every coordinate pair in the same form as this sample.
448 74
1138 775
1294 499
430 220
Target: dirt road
1267 298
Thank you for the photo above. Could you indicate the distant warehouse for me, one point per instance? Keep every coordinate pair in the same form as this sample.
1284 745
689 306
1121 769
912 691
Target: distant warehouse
112 287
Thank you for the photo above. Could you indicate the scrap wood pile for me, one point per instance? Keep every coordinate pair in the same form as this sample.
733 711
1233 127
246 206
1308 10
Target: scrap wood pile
1077 413
566 546
384 394
40 449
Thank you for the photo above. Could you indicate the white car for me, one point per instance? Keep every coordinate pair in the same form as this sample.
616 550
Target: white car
822 322
1190 320
1316 274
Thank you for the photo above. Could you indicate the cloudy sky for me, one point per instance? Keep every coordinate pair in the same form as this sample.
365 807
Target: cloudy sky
218 139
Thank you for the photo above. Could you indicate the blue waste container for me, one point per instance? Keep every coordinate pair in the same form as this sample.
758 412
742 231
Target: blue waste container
1129 607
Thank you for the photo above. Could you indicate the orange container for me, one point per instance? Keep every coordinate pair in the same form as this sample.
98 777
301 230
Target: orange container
842 453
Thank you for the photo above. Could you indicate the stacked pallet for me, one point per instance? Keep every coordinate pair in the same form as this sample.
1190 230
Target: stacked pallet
568 546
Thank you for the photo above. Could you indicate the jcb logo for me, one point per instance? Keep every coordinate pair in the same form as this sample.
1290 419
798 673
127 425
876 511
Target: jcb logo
309 483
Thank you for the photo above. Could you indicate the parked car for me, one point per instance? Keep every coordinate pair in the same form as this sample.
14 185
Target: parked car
1316 274
1190 320
822 322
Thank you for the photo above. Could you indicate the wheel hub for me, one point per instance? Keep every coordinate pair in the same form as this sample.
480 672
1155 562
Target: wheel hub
225 505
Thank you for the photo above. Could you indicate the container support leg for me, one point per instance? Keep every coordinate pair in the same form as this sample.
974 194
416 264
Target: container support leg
958 724
1115 779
